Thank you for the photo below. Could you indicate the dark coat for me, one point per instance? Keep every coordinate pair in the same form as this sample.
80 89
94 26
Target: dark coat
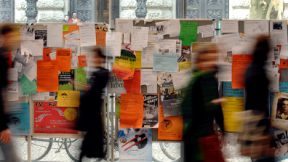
90 115
3 84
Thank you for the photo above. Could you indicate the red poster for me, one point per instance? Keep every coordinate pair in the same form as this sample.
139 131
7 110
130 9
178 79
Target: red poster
240 64
48 118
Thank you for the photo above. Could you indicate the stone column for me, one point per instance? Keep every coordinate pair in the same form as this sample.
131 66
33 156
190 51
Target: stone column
141 10
6 11
31 11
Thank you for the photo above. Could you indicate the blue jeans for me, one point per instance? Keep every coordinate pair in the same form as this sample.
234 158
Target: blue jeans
9 152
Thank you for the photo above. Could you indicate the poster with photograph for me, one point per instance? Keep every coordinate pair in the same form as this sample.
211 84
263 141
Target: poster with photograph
48 118
66 80
280 111
150 111
41 34
170 97
281 141
135 144
19 117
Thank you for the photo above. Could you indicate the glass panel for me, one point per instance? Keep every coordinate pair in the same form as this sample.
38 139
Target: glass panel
156 9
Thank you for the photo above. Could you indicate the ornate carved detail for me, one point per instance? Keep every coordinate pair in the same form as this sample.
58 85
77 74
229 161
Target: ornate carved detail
31 11
85 4
141 10
5 3
213 2
193 14
193 2
214 13
84 15
5 16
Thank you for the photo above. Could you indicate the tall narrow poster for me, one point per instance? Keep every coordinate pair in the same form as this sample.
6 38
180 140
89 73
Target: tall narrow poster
135 144
150 119
19 117
66 80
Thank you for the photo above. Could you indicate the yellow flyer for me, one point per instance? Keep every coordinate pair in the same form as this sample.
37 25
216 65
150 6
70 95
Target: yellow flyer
68 98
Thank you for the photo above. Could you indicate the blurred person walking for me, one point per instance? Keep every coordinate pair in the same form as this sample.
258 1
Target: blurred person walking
9 39
90 111
200 107
257 141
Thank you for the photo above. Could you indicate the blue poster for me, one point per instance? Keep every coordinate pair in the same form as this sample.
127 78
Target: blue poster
283 87
165 63
229 92
19 117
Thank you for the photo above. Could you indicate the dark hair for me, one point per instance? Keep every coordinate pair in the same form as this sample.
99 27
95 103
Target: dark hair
261 49
6 29
98 52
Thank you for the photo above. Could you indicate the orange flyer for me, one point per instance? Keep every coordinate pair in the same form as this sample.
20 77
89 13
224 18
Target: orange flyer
240 64
47 76
82 61
133 85
170 128
101 38
71 31
63 58
46 54
283 64
131 110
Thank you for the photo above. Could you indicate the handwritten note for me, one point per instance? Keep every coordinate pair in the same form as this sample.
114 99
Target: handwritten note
229 26
139 38
255 27
54 35
87 35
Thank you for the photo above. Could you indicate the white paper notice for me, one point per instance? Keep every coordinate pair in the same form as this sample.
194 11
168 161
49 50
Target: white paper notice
27 33
54 35
171 27
12 74
169 46
139 38
41 96
30 70
229 26
256 27
113 43
13 92
147 55
124 26
278 32
181 79
206 31
149 80
32 47
87 35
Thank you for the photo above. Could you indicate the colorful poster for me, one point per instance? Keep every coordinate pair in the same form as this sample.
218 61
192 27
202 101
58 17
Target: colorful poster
82 61
27 87
124 65
19 117
170 128
80 79
131 110
71 32
68 98
240 64
66 80
188 32
135 144
150 119
232 106
133 85
48 118
47 76
101 38
63 58
229 92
